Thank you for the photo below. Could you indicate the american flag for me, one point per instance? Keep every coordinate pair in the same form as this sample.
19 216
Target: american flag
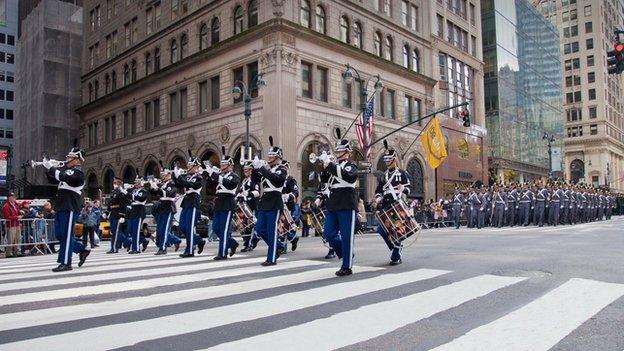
367 116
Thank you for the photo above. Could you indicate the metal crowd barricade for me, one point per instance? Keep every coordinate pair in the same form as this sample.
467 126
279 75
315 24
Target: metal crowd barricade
34 234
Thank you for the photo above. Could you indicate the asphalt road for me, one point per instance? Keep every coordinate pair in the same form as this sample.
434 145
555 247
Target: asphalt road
522 288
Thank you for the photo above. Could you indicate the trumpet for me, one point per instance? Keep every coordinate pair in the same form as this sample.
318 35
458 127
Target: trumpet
313 158
55 163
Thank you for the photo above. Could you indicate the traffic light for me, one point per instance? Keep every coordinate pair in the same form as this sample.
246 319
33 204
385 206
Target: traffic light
615 59
465 115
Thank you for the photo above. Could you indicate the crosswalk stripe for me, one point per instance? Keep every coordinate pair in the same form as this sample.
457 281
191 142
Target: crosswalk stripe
127 334
71 279
145 264
147 283
541 324
364 323
67 313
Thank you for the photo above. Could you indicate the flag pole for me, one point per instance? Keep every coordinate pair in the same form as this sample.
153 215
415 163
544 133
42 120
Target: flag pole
358 115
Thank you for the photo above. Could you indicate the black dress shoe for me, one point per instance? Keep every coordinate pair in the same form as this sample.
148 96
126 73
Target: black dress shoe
267 263
62 268
396 263
330 256
344 271
233 249
279 252
176 246
144 245
219 258
160 252
246 249
200 247
254 243
133 252
83 257
294 244
185 255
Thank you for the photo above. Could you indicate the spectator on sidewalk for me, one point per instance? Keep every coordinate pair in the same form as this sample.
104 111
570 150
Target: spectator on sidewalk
306 212
89 219
11 214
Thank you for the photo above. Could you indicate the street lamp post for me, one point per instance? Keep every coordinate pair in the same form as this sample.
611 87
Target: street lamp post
550 139
241 89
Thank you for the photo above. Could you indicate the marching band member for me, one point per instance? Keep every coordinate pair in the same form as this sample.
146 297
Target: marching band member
390 190
512 205
227 183
342 204
555 205
458 202
70 180
249 193
138 198
290 193
192 184
117 216
540 204
499 206
165 193
475 205
322 194
526 203
271 176
565 204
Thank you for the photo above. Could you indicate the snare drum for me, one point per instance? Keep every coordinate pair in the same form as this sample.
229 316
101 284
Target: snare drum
318 220
286 223
398 222
244 218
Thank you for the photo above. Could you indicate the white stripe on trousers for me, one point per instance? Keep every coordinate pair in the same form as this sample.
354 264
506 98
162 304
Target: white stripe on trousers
226 229
68 236
277 218
164 242
114 248
191 233
352 234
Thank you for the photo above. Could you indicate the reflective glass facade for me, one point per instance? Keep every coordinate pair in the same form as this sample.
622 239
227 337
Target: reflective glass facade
523 84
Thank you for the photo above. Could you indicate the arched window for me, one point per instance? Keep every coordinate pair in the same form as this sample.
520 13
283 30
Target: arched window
107 84
174 51
148 64
133 71
344 29
203 37
215 27
109 175
377 43
388 48
183 46
238 20
129 174
415 172
304 14
252 13
96 88
152 169
406 58
113 81
179 161
415 60
319 15
126 75
90 92
577 170
157 60
357 35
309 180
92 186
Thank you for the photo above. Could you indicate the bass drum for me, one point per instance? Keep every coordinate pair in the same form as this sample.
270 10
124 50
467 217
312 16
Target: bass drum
286 223
244 218
398 222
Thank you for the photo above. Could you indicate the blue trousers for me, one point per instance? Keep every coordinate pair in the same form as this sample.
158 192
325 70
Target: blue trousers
266 228
118 235
172 239
499 213
455 214
222 225
525 209
188 219
396 249
473 220
134 230
555 207
163 223
339 230
64 222
539 213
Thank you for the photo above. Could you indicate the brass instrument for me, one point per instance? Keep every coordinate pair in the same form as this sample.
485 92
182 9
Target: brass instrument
313 158
55 163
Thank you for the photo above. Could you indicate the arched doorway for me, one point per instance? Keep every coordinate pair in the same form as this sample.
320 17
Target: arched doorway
152 169
93 188
109 175
238 168
381 165
213 157
309 172
415 172
577 170
129 174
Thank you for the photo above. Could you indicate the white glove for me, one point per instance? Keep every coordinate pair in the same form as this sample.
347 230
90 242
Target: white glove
121 220
47 164
216 170
285 197
317 202
177 172
209 170
256 163
324 157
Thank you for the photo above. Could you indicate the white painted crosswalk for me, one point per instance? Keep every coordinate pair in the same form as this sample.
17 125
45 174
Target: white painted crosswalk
135 300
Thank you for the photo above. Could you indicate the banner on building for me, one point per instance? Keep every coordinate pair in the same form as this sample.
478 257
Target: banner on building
556 159
433 143
4 166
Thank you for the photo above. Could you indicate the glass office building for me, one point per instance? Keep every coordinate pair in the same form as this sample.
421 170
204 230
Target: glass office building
523 89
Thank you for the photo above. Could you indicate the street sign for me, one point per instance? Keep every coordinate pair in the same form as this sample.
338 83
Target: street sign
364 171
364 164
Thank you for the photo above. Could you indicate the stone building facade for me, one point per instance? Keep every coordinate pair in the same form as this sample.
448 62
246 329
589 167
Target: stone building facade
158 79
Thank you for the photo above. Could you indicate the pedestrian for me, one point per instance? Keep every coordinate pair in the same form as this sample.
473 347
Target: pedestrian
306 212
11 213
89 219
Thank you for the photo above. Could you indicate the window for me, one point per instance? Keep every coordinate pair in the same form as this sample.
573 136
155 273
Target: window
203 96
183 46
184 5
238 75
9 133
344 29
415 61
9 114
588 27
183 103
573 14
113 81
440 26
175 9
215 28
126 75
126 121
590 60
407 109
10 58
128 34
109 46
589 43
107 130
322 83
156 111
386 8
174 51
304 14
96 91
377 44
357 35
404 12
389 104
347 100
133 120
156 59
203 37
252 13
215 96
592 112
157 15
388 48
306 80
109 9
149 21
107 84
592 94
2 38
133 71
148 63
319 14
472 14
238 20
10 78
591 77
568 81
148 117
406 56
473 45
252 72
593 129
414 17
174 108
587 10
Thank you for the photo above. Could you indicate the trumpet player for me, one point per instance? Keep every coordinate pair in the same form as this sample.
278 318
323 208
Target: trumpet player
70 180
249 193
117 209
165 193
192 184
290 193
390 190
342 204
138 198
227 183
271 175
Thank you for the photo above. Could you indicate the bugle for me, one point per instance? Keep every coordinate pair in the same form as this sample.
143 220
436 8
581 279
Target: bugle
55 163
313 158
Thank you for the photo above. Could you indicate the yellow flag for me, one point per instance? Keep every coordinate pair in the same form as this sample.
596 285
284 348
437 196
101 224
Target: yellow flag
433 143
